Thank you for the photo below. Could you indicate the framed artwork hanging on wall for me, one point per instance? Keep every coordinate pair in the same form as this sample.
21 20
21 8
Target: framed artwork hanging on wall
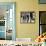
27 17
42 1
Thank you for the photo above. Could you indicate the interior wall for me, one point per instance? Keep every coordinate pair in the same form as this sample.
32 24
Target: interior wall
27 30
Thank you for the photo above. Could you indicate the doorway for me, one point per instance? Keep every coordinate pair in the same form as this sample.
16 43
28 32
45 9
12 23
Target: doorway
42 22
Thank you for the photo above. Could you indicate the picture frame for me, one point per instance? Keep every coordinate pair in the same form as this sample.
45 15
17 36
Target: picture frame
42 1
27 17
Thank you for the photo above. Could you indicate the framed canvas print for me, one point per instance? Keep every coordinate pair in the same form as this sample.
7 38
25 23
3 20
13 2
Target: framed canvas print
42 1
27 17
7 20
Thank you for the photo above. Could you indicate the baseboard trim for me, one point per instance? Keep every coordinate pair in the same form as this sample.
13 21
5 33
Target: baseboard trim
24 39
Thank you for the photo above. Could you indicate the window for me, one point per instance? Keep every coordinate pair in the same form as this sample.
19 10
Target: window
42 22
7 21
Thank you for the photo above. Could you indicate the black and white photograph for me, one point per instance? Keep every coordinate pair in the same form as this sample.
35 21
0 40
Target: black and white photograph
27 17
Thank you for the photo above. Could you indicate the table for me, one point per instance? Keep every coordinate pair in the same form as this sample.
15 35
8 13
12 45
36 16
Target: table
16 43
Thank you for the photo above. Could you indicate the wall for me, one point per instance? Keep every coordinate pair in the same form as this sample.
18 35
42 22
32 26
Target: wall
27 30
